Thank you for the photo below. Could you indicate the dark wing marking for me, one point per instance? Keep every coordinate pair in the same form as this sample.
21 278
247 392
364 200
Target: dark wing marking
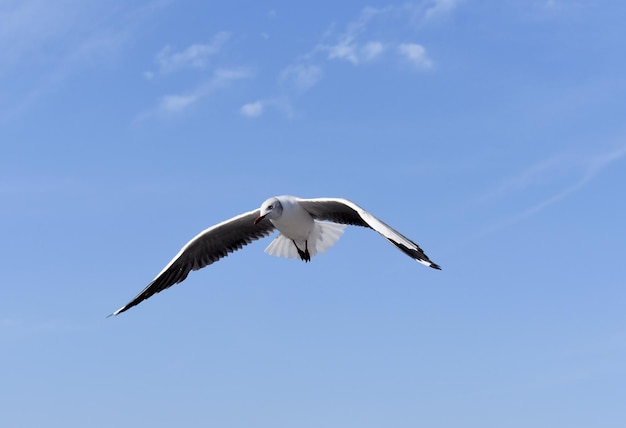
206 248
347 212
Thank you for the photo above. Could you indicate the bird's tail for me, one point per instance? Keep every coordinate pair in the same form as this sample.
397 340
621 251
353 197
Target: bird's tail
322 237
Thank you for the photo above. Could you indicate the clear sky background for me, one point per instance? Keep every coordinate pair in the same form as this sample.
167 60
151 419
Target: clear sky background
492 133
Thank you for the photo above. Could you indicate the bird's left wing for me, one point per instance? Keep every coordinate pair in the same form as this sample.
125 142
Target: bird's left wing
343 211
206 248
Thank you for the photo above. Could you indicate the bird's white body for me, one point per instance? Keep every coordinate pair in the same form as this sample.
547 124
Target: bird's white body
294 222
299 231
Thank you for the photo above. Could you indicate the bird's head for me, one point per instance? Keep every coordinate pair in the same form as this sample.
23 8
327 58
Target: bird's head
272 209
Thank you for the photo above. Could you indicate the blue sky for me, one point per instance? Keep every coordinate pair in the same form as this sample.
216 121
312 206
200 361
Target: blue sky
491 133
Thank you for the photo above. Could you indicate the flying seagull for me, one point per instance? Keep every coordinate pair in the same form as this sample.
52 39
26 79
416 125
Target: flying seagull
307 227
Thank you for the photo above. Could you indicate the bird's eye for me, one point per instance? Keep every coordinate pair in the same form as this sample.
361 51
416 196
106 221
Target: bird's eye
271 207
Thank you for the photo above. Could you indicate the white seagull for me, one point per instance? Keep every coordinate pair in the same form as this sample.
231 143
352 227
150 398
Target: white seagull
307 227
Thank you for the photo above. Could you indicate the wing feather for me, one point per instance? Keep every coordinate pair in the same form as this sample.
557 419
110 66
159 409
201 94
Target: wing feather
204 249
347 212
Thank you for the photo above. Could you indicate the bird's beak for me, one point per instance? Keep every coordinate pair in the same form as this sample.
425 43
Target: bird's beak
259 218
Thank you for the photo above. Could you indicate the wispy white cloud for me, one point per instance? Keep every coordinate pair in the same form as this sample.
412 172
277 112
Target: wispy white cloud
260 107
372 50
201 57
345 50
196 56
416 55
348 46
376 35
438 8
301 77
221 78
54 41
356 53
254 109
356 44
294 80
176 103
29 26
585 169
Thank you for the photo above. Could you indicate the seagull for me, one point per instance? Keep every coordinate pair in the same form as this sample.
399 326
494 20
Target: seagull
307 227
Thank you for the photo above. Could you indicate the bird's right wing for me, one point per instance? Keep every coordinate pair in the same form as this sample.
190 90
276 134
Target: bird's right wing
343 211
206 248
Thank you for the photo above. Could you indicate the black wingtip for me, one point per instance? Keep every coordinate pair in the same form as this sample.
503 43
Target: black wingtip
435 266
119 311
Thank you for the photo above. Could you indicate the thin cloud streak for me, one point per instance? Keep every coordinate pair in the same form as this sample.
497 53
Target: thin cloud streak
177 103
258 108
301 77
63 39
373 50
195 56
28 27
347 47
295 79
589 168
